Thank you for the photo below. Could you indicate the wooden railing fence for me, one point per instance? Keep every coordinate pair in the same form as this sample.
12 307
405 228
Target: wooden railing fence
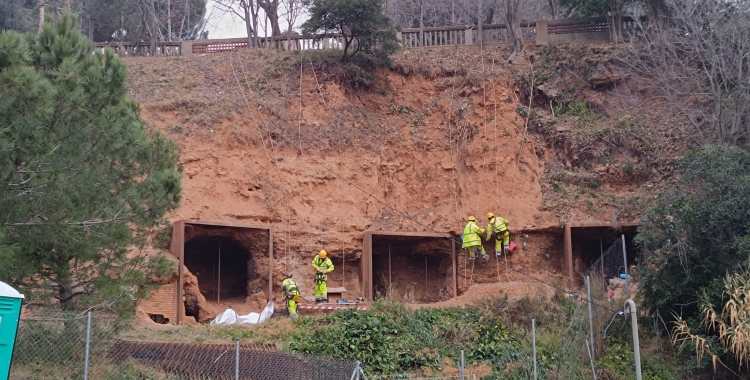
540 32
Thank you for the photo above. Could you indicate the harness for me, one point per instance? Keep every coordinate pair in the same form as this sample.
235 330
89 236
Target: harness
321 277
499 235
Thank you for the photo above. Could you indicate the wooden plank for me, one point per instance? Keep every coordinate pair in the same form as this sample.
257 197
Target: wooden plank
178 249
568 255
270 264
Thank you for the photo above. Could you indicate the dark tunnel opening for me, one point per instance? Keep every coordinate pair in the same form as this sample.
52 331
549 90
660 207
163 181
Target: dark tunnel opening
412 269
221 266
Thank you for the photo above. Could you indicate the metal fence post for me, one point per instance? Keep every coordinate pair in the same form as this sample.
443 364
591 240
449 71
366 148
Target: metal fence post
533 341
88 344
461 366
591 359
591 318
627 276
237 359
629 304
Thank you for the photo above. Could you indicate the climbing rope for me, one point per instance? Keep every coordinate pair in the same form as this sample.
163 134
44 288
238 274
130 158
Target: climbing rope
265 149
283 136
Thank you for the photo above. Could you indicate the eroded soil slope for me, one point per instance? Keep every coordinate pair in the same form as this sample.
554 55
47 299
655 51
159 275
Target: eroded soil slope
280 139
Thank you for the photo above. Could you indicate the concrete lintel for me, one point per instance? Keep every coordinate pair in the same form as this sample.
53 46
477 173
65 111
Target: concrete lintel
605 225
226 224
410 234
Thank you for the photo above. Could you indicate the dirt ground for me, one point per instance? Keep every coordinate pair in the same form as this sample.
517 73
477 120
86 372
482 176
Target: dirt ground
435 140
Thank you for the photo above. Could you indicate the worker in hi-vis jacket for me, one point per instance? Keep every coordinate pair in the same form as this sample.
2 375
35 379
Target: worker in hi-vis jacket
291 294
322 265
499 227
472 240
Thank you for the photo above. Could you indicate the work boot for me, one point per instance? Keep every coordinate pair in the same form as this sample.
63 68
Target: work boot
471 258
507 250
294 315
499 253
486 257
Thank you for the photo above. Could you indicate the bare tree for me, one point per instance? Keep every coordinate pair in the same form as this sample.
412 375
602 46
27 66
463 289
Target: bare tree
247 11
293 8
554 8
513 23
696 69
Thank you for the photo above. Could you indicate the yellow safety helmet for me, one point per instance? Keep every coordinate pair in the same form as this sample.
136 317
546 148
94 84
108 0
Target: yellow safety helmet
472 218
323 254
490 215
288 275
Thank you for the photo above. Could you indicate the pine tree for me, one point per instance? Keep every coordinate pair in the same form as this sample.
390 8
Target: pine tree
81 181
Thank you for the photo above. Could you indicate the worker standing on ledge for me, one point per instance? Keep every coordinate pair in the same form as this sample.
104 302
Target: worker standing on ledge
291 294
499 227
471 239
323 266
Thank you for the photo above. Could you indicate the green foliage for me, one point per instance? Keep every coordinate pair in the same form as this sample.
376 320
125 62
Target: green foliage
617 361
689 254
391 338
363 23
83 181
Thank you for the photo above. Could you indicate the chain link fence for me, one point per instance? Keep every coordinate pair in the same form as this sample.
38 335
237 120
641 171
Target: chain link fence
85 346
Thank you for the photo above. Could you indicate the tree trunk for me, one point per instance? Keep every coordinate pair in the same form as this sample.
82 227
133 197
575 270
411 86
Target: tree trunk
184 16
169 20
421 27
154 25
554 6
41 14
254 10
248 26
66 5
453 12
271 8
615 21
479 25
513 23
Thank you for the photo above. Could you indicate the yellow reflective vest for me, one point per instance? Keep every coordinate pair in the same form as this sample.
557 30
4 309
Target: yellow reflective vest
471 235
289 288
322 265
498 224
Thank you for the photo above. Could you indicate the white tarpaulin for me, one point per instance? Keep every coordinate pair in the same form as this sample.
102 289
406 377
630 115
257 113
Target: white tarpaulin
230 317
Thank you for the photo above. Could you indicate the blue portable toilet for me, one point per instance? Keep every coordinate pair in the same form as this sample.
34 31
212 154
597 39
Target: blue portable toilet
10 314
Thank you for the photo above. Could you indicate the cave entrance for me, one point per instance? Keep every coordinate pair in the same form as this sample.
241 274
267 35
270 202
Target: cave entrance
588 244
221 266
411 267
231 263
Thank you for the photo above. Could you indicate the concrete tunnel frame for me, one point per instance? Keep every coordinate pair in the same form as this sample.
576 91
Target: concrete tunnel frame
366 265
177 247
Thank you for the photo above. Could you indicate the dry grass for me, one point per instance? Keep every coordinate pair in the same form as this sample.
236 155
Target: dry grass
732 324
273 331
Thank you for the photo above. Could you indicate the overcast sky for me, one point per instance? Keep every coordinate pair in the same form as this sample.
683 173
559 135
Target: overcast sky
228 25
